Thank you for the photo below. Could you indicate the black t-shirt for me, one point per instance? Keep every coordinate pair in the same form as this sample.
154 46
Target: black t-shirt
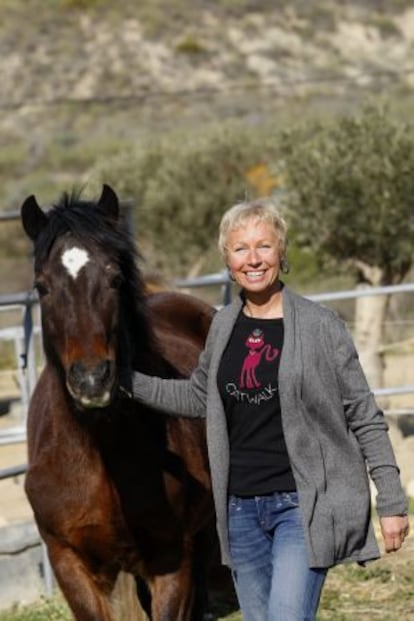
248 384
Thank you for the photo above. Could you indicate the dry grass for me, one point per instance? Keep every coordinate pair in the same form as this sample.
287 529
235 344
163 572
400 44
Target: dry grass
383 591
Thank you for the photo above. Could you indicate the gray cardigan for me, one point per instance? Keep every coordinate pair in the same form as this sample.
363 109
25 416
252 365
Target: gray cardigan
332 425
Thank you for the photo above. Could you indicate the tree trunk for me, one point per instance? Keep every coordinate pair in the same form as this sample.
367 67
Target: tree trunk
370 313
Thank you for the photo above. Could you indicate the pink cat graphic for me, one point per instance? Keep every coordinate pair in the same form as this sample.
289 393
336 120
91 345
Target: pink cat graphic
257 347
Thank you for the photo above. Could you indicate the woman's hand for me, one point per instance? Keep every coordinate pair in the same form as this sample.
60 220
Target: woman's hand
125 382
394 530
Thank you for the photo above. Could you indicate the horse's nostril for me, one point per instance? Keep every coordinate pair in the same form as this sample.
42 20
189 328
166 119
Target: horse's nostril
102 371
77 372
88 377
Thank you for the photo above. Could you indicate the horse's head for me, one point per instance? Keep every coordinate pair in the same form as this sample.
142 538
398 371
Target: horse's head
83 260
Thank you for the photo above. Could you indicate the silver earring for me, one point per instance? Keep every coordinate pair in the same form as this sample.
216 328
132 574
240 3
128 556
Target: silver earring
230 274
284 266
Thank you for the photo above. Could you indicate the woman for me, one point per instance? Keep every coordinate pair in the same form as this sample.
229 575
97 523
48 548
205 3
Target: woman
291 426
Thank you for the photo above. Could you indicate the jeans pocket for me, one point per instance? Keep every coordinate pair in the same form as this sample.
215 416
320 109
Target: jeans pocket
234 503
291 499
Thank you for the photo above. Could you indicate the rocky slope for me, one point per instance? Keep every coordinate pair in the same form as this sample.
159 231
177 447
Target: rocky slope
106 50
81 79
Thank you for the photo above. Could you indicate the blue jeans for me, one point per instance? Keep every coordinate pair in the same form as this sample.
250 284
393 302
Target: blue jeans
270 567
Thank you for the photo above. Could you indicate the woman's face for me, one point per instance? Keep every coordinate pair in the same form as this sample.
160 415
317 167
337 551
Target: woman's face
253 255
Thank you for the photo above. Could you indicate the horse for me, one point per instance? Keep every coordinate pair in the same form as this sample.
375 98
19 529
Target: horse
114 485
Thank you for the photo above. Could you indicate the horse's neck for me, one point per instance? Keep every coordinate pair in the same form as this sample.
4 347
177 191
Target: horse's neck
139 348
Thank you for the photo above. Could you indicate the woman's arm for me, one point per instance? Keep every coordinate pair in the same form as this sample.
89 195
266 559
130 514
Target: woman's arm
180 397
367 422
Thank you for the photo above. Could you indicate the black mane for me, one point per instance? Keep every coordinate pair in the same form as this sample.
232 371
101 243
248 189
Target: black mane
84 221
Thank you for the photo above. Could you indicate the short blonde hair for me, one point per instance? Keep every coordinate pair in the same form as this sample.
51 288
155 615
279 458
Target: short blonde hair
262 209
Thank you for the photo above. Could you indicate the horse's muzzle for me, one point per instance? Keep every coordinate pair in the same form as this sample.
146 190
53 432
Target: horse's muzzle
91 386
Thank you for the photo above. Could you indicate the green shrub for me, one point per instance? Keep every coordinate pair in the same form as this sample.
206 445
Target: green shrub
190 45
350 191
386 25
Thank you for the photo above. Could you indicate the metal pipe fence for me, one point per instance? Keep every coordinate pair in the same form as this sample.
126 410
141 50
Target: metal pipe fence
13 471
24 305
222 278
25 355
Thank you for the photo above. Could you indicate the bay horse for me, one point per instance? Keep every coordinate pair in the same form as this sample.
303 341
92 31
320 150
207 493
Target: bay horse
114 486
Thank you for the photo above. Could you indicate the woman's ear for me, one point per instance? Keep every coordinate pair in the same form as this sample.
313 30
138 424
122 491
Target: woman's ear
284 265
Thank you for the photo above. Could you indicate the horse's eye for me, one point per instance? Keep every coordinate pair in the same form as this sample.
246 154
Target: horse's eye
41 288
116 281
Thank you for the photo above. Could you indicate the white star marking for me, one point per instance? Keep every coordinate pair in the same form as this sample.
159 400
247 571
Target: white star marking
74 259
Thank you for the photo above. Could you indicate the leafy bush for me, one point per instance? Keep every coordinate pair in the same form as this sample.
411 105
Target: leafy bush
190 45
350 191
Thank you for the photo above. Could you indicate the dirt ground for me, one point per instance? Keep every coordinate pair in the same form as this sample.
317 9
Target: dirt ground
14 506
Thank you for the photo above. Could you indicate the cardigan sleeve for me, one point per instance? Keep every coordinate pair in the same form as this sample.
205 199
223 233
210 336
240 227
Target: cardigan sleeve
179 397
367 422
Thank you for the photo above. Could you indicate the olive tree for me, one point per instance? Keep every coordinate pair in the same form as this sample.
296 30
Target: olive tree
350 196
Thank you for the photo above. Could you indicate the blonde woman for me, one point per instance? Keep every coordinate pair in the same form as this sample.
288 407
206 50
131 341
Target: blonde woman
291 426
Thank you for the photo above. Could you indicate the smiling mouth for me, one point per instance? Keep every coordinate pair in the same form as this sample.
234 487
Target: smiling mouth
255 274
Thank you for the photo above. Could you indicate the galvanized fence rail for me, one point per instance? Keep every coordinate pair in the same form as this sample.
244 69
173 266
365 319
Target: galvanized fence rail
23 337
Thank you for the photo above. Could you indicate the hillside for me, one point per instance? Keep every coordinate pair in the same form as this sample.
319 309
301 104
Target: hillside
83 79
84 72
83 50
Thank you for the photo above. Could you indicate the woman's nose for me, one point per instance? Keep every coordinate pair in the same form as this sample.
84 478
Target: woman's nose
254 257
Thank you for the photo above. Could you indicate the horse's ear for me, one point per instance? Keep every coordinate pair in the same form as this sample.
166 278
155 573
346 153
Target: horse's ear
108 203
33 218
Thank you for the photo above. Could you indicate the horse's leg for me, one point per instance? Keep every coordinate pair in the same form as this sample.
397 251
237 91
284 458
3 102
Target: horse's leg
180 596
126 605
87 594
172 598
